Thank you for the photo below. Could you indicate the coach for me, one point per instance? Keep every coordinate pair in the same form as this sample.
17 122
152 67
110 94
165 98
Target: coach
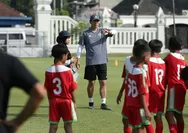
94 41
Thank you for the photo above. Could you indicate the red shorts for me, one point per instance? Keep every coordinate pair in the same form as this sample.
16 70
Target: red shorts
156 102
176 98
136 117
61 109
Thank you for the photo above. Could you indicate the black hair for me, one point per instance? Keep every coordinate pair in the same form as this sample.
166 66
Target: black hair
155 45
140 42
58 51
140 50
184 73
175 43
61 39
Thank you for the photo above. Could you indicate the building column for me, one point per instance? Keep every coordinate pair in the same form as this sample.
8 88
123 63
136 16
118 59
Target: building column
161 27
42 24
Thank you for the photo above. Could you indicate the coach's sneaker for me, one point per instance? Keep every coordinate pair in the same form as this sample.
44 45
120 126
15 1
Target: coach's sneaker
91 105
105 107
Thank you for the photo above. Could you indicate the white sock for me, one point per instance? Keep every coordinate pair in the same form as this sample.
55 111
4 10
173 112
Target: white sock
91 100
103 101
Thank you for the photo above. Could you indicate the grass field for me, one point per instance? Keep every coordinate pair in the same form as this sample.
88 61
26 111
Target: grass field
89 121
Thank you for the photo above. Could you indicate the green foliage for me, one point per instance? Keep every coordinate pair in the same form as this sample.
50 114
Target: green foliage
80 27
7 2
62 12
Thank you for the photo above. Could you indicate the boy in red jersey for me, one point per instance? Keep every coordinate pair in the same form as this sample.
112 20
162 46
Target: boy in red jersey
157 70
137 98
60 86
128 65
175 62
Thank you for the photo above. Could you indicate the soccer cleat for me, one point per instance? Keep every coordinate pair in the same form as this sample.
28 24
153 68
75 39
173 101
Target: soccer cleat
105 107
91 105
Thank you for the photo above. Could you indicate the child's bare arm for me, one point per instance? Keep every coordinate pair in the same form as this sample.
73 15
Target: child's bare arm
145 107
73 97
118 99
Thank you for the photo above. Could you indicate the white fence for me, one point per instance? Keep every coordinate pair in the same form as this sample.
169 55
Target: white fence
59 23
123 41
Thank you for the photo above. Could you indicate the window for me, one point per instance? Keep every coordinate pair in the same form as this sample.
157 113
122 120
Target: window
3 36
15 36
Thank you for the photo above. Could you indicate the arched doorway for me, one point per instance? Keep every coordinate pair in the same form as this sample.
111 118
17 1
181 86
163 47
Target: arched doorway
181 31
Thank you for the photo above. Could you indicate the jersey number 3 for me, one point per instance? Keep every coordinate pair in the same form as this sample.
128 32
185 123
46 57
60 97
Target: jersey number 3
159 73
57 81
133 91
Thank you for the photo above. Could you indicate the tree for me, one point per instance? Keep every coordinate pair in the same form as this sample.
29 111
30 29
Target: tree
80 27
7 2
62 12
26 7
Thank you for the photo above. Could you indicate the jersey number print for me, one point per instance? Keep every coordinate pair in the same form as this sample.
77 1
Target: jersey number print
133 91
159 76
179 67
57 81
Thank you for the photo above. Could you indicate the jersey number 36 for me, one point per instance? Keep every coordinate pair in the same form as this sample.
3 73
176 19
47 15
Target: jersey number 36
133 91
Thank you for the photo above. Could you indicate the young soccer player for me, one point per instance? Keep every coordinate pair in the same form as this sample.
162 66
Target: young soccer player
64 38
157 70
175 62
128 65
60 88
137 98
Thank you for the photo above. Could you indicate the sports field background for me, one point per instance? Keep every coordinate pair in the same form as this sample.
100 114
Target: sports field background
89 121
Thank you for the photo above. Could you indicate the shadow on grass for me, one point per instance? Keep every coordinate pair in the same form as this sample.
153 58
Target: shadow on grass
21 106
35 115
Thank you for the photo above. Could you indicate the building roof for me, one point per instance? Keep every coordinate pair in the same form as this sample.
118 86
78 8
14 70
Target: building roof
150 7
11 17
6 11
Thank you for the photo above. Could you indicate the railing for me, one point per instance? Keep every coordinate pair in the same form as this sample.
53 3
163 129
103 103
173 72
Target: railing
59 23
123 41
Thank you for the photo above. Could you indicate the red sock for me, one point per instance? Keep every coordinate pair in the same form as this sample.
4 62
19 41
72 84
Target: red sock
159 127
180 128
128 130
150 129
173 128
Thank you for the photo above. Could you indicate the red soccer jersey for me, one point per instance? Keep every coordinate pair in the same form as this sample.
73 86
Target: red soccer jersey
59 82
175 62
157 71
136 85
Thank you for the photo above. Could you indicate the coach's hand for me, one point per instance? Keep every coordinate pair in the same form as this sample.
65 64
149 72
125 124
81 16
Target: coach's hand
77 63
73 60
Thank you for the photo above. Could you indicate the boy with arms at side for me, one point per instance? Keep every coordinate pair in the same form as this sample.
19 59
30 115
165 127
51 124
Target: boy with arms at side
157 70
128 65
175 62
60 86
137 98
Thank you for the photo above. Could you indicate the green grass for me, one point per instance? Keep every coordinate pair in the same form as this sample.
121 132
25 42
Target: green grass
89 121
